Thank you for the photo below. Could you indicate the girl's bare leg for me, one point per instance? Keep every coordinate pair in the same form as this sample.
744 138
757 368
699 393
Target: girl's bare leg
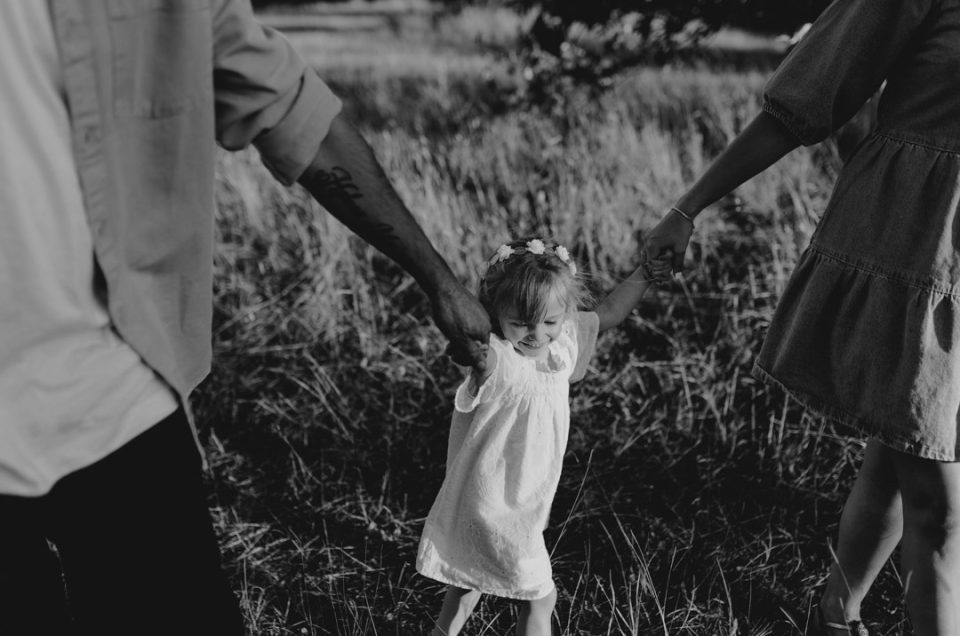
930 554
536 616
458 603
870 528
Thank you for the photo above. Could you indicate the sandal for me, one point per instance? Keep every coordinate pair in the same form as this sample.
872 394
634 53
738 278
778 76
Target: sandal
819 626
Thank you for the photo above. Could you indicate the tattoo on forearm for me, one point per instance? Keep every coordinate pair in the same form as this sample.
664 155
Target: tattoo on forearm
335 184
335 189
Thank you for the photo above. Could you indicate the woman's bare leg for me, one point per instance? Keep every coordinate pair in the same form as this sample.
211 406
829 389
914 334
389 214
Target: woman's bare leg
536 616
458 604
930 554
870 528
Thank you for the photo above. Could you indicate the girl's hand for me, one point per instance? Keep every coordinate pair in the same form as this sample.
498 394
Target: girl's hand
465 323
480 372
659 270
668 240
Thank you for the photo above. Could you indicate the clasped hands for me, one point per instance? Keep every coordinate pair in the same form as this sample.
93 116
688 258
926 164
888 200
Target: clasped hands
662 248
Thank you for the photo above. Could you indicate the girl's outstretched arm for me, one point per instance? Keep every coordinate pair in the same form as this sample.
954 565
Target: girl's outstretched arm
618 304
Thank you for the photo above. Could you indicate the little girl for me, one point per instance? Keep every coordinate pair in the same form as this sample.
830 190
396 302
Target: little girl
484 533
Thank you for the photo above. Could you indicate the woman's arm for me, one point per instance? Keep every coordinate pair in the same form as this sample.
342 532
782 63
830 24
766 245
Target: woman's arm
761 144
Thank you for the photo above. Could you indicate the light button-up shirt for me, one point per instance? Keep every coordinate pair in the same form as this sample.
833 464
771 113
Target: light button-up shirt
151 85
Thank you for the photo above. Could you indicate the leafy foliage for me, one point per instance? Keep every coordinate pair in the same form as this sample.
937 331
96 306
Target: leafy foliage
259 4
559 51
589 43
761 15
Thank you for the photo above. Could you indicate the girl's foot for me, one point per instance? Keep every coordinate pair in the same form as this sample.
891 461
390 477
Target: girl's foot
821 626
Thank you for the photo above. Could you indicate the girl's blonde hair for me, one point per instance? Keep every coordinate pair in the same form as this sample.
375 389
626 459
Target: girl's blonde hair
523 275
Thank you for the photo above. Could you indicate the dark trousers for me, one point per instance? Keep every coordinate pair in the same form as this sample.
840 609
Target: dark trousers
135 551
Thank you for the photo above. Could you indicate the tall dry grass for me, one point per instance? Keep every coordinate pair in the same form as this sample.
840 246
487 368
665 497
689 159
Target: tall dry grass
693 501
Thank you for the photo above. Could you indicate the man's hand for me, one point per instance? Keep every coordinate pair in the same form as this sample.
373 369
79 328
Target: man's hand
347 180
465 323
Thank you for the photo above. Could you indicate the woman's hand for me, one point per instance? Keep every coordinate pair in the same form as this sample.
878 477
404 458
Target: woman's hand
668 240
761 143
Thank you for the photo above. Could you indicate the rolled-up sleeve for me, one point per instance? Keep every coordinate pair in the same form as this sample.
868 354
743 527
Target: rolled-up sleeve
266 94
840 63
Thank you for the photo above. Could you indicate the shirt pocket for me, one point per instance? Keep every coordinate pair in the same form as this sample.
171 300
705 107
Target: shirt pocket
162 56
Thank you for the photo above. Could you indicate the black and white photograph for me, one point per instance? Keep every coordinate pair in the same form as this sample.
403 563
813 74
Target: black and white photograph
480 318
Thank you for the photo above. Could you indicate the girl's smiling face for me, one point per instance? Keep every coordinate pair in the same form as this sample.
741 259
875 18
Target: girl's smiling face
530 337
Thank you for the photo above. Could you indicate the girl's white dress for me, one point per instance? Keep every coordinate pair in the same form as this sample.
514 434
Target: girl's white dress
507 441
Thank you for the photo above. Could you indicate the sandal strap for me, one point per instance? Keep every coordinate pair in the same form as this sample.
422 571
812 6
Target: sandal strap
858 629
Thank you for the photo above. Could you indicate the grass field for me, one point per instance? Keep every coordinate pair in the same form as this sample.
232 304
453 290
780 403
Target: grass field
694 500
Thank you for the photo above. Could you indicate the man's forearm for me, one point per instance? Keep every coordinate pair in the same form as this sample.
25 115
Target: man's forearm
347 180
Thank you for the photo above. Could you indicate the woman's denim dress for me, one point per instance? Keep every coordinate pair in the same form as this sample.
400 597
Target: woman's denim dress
868 329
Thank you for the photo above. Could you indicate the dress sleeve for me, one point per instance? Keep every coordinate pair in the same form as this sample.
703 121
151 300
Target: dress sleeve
840 63
585 334
265 93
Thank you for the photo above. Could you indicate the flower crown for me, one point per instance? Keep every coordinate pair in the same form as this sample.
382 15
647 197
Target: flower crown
534 246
